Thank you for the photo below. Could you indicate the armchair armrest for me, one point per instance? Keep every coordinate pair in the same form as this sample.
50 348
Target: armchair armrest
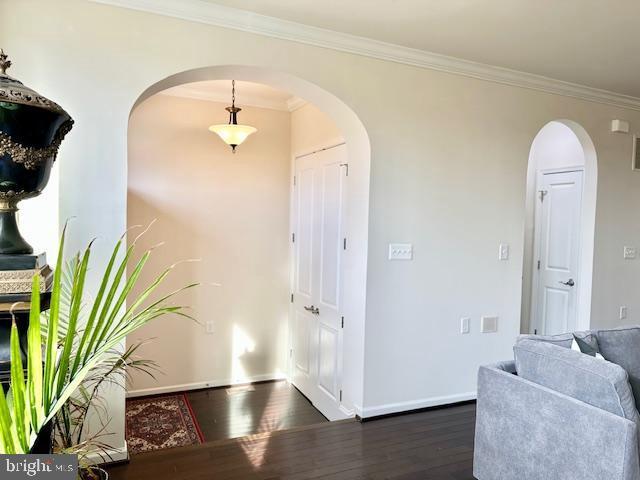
527 431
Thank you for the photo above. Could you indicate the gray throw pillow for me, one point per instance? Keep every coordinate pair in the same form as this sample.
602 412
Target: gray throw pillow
622 346
588 345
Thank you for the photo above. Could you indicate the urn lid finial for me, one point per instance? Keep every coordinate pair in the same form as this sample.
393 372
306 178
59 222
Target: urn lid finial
5 63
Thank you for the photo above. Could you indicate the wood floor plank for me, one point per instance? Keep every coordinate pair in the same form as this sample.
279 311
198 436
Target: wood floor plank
430 445
231 412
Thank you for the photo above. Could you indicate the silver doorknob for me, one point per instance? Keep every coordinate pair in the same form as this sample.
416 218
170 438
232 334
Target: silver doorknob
568 283
312 309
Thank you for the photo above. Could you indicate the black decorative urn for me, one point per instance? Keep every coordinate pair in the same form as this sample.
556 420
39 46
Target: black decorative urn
31 130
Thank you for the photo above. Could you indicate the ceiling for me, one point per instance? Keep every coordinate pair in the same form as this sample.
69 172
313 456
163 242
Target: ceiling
588 42
247 94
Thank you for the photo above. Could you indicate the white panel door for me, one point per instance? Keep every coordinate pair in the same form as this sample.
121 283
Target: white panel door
319 198
558 212
303 319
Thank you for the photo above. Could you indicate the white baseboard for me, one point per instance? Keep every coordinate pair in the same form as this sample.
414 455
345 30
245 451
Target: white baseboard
207 384
386 409
347 412
111 455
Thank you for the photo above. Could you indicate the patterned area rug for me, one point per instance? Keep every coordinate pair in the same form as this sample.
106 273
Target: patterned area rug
164 421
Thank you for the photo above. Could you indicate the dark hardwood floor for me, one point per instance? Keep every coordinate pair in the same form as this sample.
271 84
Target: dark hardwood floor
249 409
431 445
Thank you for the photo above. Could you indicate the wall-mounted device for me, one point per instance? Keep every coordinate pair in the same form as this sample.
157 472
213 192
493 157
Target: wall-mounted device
488 324
619 126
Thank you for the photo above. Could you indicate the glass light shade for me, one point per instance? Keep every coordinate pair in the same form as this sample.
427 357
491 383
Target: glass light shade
233 134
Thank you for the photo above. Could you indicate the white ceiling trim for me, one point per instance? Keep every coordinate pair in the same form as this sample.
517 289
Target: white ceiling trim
194 93
294 103
227 17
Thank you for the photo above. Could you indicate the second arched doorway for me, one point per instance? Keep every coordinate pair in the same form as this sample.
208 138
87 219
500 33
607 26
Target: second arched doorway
559 233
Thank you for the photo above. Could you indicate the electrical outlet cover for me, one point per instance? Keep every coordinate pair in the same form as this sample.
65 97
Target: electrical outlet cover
465 325
623 312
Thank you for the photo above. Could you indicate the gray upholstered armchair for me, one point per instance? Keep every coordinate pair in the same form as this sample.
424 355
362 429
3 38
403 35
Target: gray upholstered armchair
564 415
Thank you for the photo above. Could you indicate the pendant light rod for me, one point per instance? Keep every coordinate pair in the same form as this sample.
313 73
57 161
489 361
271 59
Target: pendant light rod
233 110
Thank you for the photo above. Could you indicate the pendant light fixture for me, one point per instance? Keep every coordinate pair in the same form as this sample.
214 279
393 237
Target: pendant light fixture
233 134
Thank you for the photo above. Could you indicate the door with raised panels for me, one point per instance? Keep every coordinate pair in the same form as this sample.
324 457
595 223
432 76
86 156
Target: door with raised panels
557 249
319 242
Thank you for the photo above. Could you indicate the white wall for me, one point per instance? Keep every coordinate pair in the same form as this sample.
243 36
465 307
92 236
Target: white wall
312 129
229 211
38 218
556 146
449 159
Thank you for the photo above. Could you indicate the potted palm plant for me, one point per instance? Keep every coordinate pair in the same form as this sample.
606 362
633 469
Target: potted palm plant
76 341
70 432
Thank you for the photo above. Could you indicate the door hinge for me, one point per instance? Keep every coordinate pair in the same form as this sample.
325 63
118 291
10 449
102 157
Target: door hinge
294 180
344 243
538 264
342 322
340 395
293 238
346 169
542 193
291 352
535 331
292 298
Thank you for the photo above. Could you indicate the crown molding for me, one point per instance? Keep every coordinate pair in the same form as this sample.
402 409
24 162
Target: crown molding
294 103
246 100
227 17
188 91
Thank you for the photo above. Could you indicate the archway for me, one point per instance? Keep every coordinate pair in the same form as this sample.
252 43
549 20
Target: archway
561 147
355 257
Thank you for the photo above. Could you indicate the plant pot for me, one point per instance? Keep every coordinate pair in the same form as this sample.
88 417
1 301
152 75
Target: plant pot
44 441
93 473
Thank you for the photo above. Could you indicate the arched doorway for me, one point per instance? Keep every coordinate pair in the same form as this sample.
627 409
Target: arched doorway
348 394
559 232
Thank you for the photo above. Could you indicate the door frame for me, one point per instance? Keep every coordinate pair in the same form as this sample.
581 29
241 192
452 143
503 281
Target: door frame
333 143
535 278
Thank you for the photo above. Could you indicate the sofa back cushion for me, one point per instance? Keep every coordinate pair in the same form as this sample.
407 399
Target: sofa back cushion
622 346
591 380
563 340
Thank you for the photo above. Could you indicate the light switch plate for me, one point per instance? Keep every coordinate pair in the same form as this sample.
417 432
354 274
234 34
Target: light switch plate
465 325
488 324
209 327
400 251
630 253
503 252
